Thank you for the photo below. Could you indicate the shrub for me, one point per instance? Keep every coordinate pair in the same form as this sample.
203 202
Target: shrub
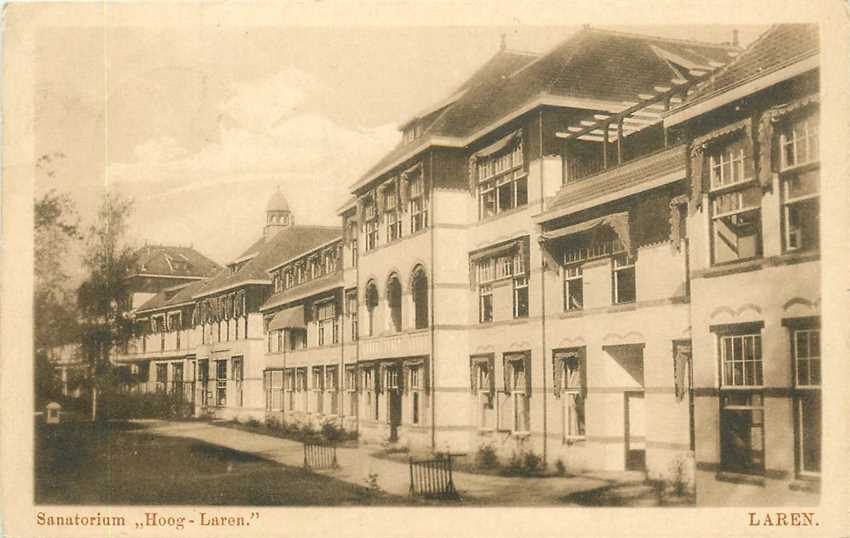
524 464
332 433
372 483
560 468
486 457
252 422
532 464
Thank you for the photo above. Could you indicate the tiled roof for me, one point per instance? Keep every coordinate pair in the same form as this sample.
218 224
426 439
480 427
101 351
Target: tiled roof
780 45
285 244
307 289
173 261
171 297
592 64
498 67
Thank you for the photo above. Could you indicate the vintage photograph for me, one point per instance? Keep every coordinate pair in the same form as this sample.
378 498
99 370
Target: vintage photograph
419 266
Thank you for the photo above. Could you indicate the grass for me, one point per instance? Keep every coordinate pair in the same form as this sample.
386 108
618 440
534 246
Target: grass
79 463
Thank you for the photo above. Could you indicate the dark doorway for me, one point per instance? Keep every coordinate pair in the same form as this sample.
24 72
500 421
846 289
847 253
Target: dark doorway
635 431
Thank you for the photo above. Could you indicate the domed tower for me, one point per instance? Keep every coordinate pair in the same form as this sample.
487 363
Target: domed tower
278 215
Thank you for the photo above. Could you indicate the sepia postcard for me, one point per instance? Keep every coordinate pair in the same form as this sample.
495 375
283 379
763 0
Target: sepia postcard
320 269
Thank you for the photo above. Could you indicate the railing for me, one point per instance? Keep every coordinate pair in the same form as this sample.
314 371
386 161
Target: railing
432 478
318 456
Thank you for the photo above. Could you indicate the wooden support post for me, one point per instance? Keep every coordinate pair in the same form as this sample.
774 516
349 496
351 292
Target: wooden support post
620 141
605 147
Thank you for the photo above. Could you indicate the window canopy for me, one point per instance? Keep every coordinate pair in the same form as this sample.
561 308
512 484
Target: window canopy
291 318
619 222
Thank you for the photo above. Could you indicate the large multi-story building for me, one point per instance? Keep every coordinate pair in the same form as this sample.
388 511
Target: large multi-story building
577 253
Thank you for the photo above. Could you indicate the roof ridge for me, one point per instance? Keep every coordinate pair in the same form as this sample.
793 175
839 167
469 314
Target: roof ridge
668 39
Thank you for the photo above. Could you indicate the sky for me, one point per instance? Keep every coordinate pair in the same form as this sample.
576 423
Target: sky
199 124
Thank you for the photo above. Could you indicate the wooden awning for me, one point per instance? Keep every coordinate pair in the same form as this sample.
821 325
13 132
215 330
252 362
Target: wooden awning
290 318
619 222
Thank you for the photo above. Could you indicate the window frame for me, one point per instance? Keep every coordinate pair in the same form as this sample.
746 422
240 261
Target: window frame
503 171
752 393
630 265
573 272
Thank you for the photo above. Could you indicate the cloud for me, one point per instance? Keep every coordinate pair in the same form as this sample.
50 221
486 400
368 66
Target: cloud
266 139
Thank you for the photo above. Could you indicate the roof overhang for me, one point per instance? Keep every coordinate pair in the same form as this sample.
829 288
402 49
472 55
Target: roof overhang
232 286
153 275
164 308
304 254
727 95
543 99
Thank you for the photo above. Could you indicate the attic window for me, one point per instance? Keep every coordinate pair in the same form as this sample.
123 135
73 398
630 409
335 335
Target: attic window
412 132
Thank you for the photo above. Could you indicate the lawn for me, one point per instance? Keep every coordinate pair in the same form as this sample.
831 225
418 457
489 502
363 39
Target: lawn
77 463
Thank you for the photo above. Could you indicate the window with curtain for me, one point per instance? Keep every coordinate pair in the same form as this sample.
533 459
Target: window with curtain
502 182
418 202
800 179
735 200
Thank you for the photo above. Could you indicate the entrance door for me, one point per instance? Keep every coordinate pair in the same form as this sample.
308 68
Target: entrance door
635 422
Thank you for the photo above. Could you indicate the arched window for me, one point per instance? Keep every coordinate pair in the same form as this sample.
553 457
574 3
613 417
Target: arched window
419 292
371 303
394 302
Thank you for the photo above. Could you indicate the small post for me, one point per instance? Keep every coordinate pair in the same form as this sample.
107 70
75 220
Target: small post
412 489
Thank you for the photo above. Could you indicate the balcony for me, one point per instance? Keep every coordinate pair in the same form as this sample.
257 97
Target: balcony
647 172
406 344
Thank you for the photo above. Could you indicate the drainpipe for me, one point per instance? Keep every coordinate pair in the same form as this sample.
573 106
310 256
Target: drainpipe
432 304
357 340
543 291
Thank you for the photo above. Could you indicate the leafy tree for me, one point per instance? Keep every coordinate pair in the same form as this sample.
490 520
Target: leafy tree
103 298
54 318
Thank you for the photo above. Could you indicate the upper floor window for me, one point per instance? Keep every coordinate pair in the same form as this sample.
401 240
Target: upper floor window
625 287
394 303
511 265
371 304
573 287
419 293
371 224
502 182
351 305
799 141
328 326
418 202
735 203
800 179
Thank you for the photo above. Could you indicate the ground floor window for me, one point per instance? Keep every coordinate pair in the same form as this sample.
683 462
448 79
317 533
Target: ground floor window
416 386
236 375
221 383
331 390
570 386
518 385
482 376
161 376
318 387
742 431
351 390
289 389
301 388
273 381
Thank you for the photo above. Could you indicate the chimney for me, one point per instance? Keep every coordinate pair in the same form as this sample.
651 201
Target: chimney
735 41
504 44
